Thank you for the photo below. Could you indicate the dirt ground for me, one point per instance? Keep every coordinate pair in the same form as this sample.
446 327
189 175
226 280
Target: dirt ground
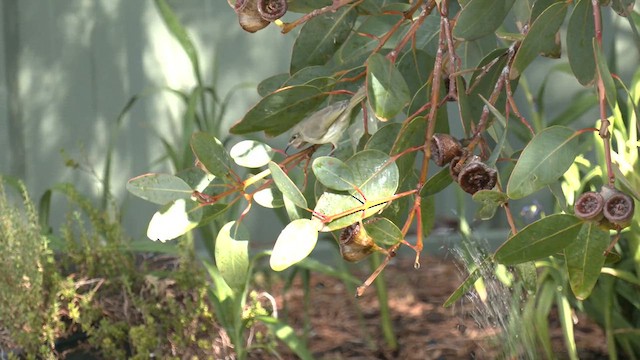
424 328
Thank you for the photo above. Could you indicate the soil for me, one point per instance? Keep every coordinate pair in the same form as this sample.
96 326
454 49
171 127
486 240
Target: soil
343 327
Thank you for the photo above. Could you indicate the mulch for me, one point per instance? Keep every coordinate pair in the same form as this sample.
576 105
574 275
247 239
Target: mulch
343 327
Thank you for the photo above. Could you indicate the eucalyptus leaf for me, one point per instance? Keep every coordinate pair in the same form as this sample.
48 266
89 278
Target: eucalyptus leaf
251 154
279 111
541 38
375 176
211 154
321 37
383 231
294 243
159 188
605 75
174 219
270 197
490 200
387 91
333 173
540 239
481 17
286 186
543 161
580 31
436 183
584 259
232 255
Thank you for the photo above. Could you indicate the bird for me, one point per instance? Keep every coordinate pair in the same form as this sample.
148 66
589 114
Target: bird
327 124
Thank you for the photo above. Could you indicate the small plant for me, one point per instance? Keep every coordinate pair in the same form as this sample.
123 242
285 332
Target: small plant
27 295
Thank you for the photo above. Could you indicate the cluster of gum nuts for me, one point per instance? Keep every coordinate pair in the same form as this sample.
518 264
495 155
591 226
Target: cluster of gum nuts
466 169
610 208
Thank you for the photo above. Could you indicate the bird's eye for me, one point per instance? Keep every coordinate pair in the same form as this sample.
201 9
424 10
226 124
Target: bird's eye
294 136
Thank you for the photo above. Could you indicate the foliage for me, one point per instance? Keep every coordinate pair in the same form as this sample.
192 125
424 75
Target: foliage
25 287
411 59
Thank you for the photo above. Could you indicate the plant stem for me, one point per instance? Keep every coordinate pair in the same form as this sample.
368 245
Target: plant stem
383 300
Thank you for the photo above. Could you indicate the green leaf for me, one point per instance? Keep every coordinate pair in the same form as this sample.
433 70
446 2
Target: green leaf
159 188
411 135
490 200
211 154
540 239
543 161
584 259
270 197
541 38
415 66
271 84
174 219
321 37
318 76
464 287
480 18
580 32
280 111
388 93
605 75
287 335
428 214
232 255
196 178
286 186
438 182
380 139
222 297
333 173
210 212
357 48
383 231
375 176
251 154
294 243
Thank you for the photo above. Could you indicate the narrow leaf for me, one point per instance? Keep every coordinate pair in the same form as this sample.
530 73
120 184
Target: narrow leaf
464 287
286 186
287 335
541 38
580 32
605 75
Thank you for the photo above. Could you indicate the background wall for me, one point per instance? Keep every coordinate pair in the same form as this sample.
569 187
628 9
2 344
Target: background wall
70 66
77 62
